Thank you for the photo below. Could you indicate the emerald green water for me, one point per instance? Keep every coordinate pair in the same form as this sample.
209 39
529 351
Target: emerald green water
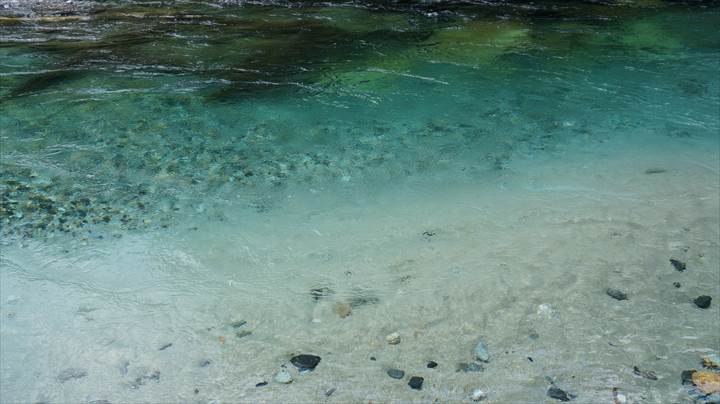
105 112
449 170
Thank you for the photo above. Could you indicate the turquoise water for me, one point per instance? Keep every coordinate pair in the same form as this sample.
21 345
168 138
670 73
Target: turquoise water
149 150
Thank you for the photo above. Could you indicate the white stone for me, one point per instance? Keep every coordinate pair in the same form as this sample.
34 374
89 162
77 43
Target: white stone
283 376
393 339
478 395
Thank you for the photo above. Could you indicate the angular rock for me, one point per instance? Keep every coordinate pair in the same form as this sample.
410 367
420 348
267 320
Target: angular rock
616 294
481 352
416 382
703 301
686 376
305 362
678 265
559 394
396 373
432 364
283 376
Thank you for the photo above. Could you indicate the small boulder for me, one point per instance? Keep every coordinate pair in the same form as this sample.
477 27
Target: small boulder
305 362
283 376
559 394
416 382
393 339
396 373
703 301
481 352
616 294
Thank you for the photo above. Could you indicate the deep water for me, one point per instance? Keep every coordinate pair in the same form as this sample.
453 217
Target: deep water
150 148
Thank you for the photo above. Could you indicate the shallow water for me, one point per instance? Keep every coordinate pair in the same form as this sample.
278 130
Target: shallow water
331 175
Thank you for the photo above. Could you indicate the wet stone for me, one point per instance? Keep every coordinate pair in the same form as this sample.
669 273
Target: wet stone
416 382
432 364
559 394
305 362
647 374
469 367
678 265
396 373
616 294
238 324
71 373
703 301
261 384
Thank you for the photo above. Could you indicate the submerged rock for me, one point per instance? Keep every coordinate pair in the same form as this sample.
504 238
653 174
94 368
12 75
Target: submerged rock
481 352
305 362
616 294
647 374
678 265
393 339
71 373
469 367
478 395
707 381
559 394
711 361
342 309
703 301
686 376
416 382
283 376
396 373
432 364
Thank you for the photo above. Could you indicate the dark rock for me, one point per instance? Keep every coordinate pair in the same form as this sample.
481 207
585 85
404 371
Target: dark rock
686 377
71 373
243 334
530 359
196 391
677 284
238 324
319 293
469 367
559 394
204 363
396 373
416 382
679 265
166 346
261 384
703 301
648 374
432 364
329 392
616 294
372 358
305 362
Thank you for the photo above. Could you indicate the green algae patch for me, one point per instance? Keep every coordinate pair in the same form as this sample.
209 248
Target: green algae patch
474 43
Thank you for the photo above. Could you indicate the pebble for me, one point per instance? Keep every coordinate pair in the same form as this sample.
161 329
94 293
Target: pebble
703 301
481 352
677 284
261 384
711 361
165 346
283 376
469 367
305 362
330 392
393 339
432 364
686 376
678 265
238 324
204 363
416 382
478 395
648 374
616 294
396 373
243 334
71 373
559 394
